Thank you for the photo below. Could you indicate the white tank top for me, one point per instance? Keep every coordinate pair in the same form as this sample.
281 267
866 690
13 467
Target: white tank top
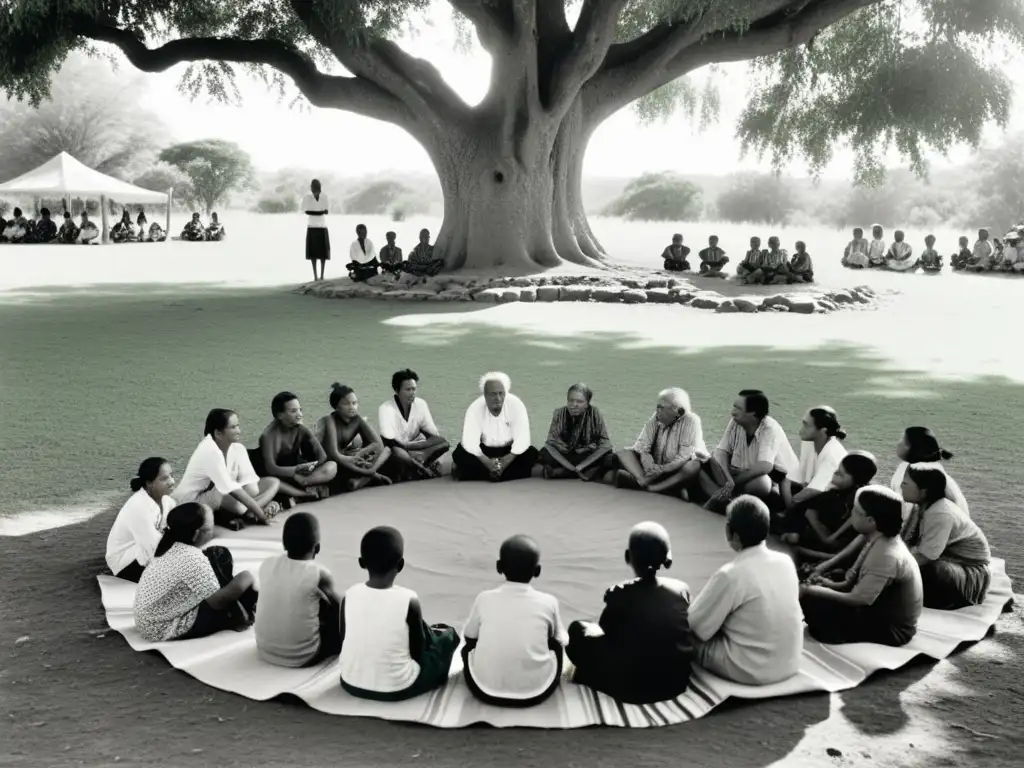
375 655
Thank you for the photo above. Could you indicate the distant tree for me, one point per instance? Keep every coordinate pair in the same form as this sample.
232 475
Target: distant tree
163 176
215 168
757 198
93 115
279 204
999 194
379 198
662 196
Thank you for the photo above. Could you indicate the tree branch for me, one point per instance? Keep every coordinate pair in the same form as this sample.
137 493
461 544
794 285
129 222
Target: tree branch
353 94
591 39
492 19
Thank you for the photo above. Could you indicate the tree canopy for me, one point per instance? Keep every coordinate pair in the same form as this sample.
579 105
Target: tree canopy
214 168
659 197
871 74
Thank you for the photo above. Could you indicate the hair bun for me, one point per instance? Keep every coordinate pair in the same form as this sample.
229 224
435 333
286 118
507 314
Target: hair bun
841 433
135 483
335 386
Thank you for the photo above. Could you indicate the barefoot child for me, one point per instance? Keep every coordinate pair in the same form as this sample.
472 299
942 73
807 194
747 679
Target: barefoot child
712 259
931 260
514 635
801 268
675 255
877 248
962 257
297 623
388 652
641 649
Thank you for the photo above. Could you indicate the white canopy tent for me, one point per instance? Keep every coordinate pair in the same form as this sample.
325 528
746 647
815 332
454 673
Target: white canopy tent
63 176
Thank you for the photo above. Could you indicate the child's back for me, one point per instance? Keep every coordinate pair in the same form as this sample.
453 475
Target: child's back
288 619
648 622
376 654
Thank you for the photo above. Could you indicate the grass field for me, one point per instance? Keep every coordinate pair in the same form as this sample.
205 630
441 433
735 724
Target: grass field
93 383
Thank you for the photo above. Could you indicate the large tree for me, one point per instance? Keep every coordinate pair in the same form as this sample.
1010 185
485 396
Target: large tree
873 73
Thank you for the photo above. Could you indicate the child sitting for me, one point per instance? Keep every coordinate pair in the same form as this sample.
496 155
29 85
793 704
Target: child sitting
388 653
855 256
675 255
981 257
297 624
514 635
641 649
1012 254
931 260
801 268
712 259
963 257
749 270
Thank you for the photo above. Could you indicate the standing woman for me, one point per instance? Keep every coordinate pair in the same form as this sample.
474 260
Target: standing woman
138 526
318 239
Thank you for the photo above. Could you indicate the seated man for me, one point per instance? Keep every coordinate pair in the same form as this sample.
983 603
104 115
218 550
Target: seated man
774 263
931 260
87 231
855 256
194 231
391 255
407 428
577 439
749 270
290 451
495 435
68 232
46 228
981 256
667 454
753 455
215 232
747 624
900 257
801 268
17 228
877 248
962 257
362 256
713 259
421 260
675 255
123 231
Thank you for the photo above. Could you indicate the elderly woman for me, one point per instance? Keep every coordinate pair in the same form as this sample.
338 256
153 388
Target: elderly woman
495 435
577 439
949 547
667 454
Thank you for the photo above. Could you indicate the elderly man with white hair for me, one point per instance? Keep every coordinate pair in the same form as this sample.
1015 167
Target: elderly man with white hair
495 435
667 455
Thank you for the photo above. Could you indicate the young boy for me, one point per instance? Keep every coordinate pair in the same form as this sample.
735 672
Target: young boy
297 620
856 254
900 257
388 652
931 260
713 259
390 256
675 255
981 256
641 649
749 270
962 257
514 635
801 268
775 262
877 247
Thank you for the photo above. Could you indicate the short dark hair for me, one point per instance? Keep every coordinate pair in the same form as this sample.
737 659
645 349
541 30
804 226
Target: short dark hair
338 393
280 400
861 465
301 534
747 516
583 389
398 378
931 479
44 212
217 419
389 233
519 557
884 506
381 549
756 402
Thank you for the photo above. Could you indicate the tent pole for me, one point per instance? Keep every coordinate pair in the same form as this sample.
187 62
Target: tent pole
170 196
105 219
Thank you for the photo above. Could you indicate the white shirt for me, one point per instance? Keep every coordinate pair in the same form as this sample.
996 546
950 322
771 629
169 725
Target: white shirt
288 619
748 618
210 468
137 530
815 469
512 425
768 444
953 492
375 655
355 252
310 203
513 625
170 591
394 426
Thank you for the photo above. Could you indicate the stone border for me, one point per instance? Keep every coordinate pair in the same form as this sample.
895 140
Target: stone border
620 289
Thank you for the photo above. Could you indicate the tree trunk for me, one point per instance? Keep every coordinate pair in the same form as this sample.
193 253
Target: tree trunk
514 206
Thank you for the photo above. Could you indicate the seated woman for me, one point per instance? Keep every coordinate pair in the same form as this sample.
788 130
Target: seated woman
88 232
17 228
421 259
749 270
495 435
156 233
352 444
68 232
949 547
931 260
675 255
220 475
641 649
920 446
667 454
124 230
45 230
879 599
408 429
801 268
900 257
289 451
194 230
137 529
577 438
188 592
215 232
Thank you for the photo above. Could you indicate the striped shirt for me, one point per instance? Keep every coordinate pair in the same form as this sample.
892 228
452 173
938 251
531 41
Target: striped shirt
754 258
673 444
422 254
774 259
769 443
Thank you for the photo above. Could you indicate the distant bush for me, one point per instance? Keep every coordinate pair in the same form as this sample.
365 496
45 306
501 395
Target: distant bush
659 197
278 204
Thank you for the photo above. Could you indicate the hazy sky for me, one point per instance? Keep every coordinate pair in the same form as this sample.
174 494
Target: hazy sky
333 140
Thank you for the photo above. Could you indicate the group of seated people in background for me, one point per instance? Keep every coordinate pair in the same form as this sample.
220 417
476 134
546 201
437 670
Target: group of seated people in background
770 266
1006 255
864 558
366 262
20 229
195 231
